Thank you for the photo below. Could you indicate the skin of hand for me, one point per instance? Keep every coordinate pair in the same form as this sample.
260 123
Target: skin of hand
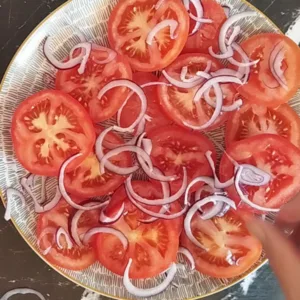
283 252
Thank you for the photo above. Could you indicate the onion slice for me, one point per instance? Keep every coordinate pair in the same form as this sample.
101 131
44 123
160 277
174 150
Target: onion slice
254 176
158 27
108 230
88 49
188 255
236 31
212 212
61 231
46 231
245 198
22 291
180 84
151 291
107 220
227 54
10 192
111 55
189 216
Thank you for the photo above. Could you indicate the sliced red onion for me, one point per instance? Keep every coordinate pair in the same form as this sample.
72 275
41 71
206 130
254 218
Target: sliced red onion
107 220
207 188
236 31
165 200
88 48
275 62
159 4
63 189
158 27
218 183
46 231
108 230
254 176
224 210
183 74
227 10
135 88
164 209
186 4
199 20
71 63
227 54
22 291
245 198
180 84
124 171
188 255
189 216
111 55
151 291
217 111
227 72
10 192
147 145
212 212
61 231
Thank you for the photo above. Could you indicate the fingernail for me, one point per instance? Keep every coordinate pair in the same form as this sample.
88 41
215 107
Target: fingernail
256 229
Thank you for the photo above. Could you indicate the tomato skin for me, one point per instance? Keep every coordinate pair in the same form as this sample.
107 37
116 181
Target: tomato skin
133 20
262 88
246 249
56 102
178 103
78 258
131 110
153 247
253 120
273 154
85 87
207 35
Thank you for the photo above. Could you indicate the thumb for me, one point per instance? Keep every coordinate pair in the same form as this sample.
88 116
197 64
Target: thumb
282 254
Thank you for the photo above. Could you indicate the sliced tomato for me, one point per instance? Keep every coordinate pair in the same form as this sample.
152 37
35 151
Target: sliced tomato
231 250
207 35
174 148
85 87
272 154
132 109
49 127
86 180
179 103
131 22
252 120
77 258
153 247
262 87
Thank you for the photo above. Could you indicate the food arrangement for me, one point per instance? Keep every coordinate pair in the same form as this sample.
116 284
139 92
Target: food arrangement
155 165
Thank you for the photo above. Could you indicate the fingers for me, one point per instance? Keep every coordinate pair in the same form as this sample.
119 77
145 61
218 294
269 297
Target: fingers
290 212
282 254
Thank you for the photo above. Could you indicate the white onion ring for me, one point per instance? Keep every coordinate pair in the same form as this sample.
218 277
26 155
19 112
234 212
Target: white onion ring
147 145
158 27
10 192
107 220
22 291
195 208
244 70
111 55
108 230
188 255
212 212
88 49
151 291
164 209
245 198
229 53
236 31
61 231
254 176
46 231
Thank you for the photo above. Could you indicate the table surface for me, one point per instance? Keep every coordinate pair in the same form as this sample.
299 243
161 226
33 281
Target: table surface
19 266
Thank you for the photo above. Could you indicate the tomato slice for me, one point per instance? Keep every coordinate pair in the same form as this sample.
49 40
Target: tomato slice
252 120
49 127
85 87
131 22
174 148
262 88
178 103
132 109
77 258
207 35
272 154
231 249
153 247
86 180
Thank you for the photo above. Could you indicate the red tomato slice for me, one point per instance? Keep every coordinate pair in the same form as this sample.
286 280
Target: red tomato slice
132 108
85 88
77 258
179 104
174 148
86 180
49 127
262 88
153 247
208 34
223 237
252 120
272 154
131 22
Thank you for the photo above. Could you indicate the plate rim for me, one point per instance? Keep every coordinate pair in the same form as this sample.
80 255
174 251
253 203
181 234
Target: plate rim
57 269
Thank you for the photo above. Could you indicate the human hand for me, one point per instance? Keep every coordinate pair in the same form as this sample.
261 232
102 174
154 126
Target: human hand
282 251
